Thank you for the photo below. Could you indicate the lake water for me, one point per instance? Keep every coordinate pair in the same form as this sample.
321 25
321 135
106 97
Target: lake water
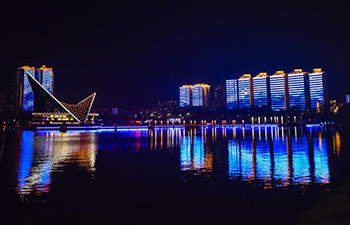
47 168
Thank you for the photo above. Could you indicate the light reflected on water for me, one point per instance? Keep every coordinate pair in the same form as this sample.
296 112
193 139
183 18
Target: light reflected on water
45 153
269 157
195 155
273 157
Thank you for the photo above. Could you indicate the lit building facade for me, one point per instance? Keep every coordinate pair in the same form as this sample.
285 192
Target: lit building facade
261 90
245 91
279 91
200 95
25 95
232 94
185 95
318 88
298 89
24 99
46 77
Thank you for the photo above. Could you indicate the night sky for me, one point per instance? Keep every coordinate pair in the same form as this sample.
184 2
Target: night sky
133 53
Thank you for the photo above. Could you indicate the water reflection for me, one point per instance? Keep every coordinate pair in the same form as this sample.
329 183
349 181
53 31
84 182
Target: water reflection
45 153
274 157
271 157
195 155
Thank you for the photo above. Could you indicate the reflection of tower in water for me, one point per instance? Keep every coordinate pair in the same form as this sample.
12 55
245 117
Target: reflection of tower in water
195 154
279 160
47 153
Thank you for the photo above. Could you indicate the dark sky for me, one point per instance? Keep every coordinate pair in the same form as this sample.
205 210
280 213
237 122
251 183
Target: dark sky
133 53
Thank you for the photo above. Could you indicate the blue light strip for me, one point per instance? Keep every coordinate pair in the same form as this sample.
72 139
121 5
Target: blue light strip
312 125
240 125
48 128
111 129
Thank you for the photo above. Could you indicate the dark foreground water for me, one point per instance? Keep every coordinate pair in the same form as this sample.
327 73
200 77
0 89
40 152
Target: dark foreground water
175 176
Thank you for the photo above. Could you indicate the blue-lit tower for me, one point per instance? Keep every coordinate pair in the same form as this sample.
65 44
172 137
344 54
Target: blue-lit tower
261 90
25 96
298 89
245 91
185 95
232 94
279 91
46 77
318 88
200 95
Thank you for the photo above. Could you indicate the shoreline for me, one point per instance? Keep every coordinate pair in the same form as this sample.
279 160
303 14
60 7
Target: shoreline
150 127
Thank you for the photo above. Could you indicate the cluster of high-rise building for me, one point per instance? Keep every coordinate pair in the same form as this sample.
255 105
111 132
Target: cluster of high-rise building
24 93
196 95
280 91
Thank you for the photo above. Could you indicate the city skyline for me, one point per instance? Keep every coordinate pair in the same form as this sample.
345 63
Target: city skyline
174 112
45 76
260 90
280 91
157 47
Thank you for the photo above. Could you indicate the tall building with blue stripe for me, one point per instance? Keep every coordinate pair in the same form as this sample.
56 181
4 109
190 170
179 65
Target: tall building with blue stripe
27 96
318 88
298 89
185 95
279 91
232 94
46 77
197 95
245 91
200 95
24 98
261 90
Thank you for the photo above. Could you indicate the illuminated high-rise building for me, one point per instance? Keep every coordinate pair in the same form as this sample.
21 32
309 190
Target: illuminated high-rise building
200 95
185 95
279 91
46 77
261 90
318 88
24 97
245 91
298 89
232 94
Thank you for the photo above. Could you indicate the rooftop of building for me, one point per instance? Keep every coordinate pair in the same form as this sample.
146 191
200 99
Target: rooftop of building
202 84
25 67
43 67
317 70
260 75
246 76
